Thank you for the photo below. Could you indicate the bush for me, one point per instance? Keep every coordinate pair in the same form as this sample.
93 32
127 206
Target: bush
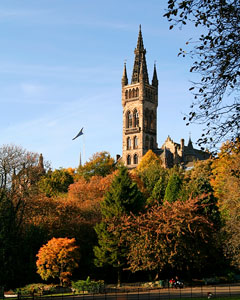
88 285
36 288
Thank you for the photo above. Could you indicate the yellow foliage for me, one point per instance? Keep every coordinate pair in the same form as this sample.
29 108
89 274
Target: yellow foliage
226 177
149 158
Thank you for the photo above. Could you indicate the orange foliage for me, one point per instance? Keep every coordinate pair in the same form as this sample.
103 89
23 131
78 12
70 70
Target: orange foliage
67 215
87 193
58 258
166 235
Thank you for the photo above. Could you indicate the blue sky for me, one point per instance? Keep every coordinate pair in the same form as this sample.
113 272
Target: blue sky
61 63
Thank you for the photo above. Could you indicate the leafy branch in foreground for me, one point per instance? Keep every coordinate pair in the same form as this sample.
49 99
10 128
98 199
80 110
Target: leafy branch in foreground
217 59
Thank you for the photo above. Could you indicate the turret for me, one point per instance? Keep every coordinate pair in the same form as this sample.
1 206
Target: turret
155 79
190 145
124 77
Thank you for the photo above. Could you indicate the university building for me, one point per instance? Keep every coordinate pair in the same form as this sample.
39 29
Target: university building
140 102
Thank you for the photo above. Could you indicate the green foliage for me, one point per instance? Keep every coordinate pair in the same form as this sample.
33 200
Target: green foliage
173 188
55 182
159 190
100 164
88 285
198 184
30 289
122 198
151 174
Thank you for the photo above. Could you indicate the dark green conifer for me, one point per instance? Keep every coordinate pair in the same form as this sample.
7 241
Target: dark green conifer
173 189
122 198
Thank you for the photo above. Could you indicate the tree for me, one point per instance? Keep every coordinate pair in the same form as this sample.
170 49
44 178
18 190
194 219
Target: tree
56 182
226 185
20 170
148 159
58 258
100 164
173 188
152 172
9 241
217 60
159 190
123 197
173 235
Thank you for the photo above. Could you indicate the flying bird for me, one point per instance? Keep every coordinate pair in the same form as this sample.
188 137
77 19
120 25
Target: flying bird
79 134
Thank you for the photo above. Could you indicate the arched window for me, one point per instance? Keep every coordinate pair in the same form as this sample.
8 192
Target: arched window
152 143
135 159
135 142
128 120
137 92
128 143
135 118
146 119
130 93
147 142
151 120
133 93
128 160
126 94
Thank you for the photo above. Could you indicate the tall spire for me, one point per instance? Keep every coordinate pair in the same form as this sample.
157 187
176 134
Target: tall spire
190 145
155 79
139 59
124 77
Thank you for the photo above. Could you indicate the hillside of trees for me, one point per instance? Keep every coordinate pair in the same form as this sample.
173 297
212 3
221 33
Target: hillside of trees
149 222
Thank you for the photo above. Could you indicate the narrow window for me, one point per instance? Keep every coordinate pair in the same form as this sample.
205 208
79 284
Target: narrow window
129 160
135 142
135 159
146 119
152 143
128 120
135 118
137 92
151 120
147 142
128 143
126 94
130 93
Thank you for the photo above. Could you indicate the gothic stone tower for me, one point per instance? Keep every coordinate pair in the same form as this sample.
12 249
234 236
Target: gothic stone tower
139 101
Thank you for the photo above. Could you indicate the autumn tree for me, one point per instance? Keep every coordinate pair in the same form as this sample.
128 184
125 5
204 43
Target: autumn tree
123 197
173 235
149 158
217 60
100 164
57 259
152 173
55 182
226 185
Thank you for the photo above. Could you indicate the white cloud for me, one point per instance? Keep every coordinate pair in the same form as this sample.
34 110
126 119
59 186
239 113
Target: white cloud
30 89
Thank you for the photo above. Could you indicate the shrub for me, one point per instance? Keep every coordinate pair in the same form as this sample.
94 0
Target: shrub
88 285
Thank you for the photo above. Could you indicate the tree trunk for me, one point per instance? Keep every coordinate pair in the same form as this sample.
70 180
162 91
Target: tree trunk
119 273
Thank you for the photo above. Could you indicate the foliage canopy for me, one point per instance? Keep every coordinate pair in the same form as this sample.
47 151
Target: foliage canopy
217 60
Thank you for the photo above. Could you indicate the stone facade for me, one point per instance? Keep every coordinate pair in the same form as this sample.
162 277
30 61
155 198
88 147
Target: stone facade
139 102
